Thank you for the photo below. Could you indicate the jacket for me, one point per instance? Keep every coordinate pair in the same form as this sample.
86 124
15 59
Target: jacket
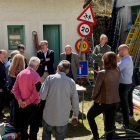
98 52
106 87
74 63
43 63
2 76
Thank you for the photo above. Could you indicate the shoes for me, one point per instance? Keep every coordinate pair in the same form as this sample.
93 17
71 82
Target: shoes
122 127
4 116
119 114
131 117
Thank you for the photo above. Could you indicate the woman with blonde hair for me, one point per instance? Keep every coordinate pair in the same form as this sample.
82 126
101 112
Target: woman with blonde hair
17 65
15 68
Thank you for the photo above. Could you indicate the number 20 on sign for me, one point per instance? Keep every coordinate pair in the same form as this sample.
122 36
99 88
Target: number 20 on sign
85 46
84 29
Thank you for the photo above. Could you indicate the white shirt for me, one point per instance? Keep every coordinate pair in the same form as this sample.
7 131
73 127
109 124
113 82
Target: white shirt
45 54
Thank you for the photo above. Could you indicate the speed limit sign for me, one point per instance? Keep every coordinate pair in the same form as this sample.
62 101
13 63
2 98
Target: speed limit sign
84 29
85 46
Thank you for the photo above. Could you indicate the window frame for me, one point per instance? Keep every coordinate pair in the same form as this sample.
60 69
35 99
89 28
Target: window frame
21 35
138 8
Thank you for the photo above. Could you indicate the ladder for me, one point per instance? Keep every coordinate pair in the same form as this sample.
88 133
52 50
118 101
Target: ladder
119 34
137 57
133 37
115 31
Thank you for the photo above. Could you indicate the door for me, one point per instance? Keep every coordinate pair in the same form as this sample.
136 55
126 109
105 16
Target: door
52 35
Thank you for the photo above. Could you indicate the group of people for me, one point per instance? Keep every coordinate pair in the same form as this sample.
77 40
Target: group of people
38 81
113 84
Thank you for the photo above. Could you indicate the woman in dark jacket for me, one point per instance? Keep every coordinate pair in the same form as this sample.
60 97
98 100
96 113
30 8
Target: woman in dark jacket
105 96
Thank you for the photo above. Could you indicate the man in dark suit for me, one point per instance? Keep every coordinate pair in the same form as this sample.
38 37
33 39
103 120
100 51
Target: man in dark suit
21 49
73 58
46 57
3 86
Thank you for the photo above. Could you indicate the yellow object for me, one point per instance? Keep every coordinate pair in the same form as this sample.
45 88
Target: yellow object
84 47
133 37
90 74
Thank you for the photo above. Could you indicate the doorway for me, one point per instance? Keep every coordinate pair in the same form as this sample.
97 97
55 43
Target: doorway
51 33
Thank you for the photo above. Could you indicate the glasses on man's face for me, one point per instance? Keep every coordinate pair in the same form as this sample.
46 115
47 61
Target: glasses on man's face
120 50
21 52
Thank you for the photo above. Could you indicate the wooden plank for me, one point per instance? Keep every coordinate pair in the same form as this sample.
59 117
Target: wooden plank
85 5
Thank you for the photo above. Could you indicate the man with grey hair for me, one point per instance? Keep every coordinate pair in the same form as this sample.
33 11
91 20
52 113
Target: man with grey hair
73 58
46 57
98 52
28 97
126 68
59 91
3 86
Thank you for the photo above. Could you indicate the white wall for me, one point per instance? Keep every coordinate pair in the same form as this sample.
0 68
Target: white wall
125 13
33 14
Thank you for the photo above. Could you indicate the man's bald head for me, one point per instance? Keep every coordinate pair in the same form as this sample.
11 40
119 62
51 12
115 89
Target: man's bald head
124 46
68 49
123 50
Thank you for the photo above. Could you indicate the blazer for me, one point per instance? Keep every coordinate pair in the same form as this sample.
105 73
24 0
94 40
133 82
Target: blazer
74 63
106 87
43 63
2 76
98 52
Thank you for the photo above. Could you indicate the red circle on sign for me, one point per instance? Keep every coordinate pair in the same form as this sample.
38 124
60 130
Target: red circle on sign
77 44
84 29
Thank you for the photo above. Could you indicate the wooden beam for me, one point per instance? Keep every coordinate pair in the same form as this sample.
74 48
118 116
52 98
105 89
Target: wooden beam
85 5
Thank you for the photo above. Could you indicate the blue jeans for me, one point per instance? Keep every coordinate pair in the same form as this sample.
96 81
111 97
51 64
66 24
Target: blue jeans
59 131
12 110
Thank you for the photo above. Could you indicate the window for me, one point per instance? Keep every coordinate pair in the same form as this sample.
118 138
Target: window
15 36
134 13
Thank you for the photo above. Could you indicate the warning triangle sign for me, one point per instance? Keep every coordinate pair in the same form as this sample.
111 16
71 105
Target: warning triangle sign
87 16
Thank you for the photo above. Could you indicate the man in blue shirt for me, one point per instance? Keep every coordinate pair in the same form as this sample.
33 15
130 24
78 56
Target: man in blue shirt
126 68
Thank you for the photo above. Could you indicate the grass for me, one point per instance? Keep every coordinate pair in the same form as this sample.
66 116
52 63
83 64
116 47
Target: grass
82 131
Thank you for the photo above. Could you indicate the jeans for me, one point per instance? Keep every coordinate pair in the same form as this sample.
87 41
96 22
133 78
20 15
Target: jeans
108 111
123 92
12 110
25 114
59 131
130 100
16 116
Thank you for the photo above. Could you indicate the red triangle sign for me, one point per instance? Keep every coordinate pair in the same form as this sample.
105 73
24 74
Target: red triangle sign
87 16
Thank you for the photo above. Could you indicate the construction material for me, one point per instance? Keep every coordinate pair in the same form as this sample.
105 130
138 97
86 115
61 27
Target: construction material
133 37
136 60
113 24
35 39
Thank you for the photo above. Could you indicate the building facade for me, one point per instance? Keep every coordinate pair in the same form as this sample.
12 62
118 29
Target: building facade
53 20
129 14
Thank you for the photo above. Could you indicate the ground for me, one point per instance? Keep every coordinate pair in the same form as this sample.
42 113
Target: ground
82 131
